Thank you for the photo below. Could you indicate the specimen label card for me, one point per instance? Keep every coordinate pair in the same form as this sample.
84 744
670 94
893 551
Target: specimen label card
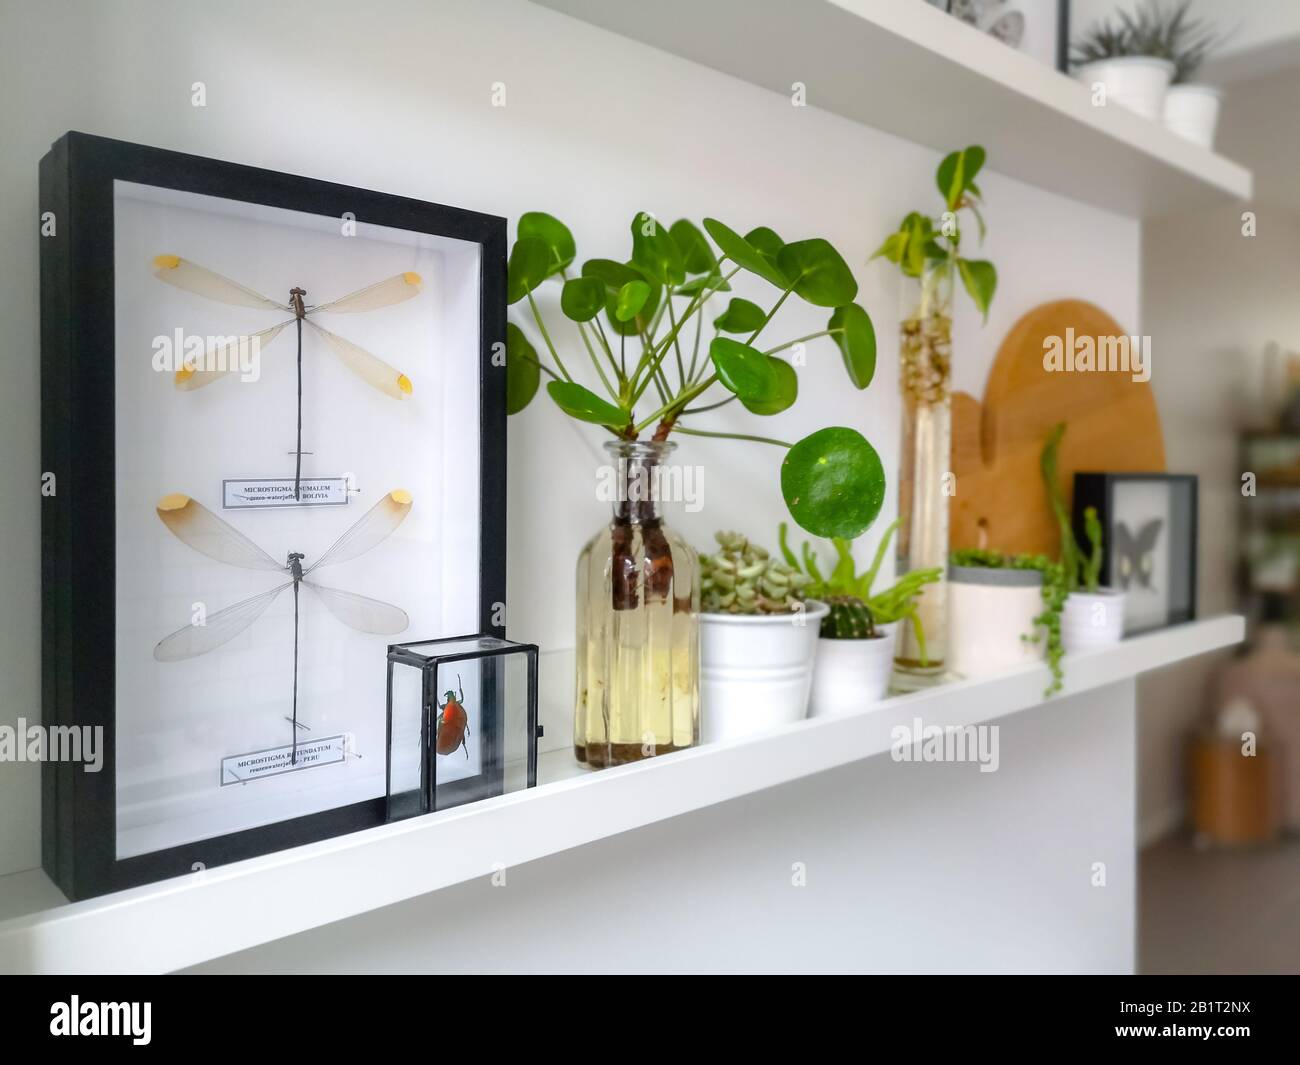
272 762
254 494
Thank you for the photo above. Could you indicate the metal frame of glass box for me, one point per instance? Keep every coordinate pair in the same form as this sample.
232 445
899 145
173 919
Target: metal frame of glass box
491 780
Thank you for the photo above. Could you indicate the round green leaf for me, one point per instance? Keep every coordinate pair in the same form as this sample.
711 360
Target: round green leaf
833 483
630 299
743 370
741 316
582 298
584 404
554 234
766 243
641 319
529 265
818 273
523 374
610 273
782 396
697 256
856 337
654 252
743 254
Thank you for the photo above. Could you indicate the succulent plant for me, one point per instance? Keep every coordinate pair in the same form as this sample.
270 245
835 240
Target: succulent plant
743 578
849 619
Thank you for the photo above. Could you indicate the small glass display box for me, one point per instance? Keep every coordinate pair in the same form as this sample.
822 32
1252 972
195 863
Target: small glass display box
462 722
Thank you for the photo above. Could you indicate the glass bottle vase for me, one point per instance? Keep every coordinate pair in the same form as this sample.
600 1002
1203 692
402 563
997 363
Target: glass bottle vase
637 655
925 458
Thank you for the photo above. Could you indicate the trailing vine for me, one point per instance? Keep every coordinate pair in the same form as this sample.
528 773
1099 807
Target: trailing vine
1047 625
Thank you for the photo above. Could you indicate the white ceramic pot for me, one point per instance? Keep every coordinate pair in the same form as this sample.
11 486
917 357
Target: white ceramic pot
756 671
851 674
990 611
1192 111
1092 619
1138 82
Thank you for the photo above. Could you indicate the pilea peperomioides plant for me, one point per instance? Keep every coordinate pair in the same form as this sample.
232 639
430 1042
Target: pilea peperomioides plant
658 372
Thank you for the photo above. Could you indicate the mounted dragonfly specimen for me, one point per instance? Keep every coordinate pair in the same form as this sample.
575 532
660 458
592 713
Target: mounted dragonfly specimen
195 525
217 362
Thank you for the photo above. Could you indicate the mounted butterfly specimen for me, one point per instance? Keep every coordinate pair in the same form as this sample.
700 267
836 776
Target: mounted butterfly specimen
1135 557
195 525
217 361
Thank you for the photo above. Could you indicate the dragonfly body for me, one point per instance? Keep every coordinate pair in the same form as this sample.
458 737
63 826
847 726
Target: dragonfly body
202 530
217 363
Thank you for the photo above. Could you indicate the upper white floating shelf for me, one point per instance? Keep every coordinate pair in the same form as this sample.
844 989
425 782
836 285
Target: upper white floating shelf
909 69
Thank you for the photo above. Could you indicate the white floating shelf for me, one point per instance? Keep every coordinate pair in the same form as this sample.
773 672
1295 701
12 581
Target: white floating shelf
205 915
909 69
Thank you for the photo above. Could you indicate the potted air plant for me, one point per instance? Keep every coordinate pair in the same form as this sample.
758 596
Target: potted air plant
855 648
1091 616
758 637
1127 58
655 367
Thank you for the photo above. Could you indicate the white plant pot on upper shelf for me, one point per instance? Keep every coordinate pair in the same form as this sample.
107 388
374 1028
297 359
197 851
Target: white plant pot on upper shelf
991 619
1138 82
851 674
1092 619
1192 111
756 670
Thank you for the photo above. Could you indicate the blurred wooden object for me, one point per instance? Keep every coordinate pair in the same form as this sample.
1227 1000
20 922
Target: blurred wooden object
1234 797
1113 427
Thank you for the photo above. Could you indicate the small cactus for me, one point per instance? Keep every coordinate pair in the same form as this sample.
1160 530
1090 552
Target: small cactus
743 578
849 619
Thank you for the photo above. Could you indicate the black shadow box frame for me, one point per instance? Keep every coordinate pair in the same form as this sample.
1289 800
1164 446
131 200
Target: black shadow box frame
1098 490
78 531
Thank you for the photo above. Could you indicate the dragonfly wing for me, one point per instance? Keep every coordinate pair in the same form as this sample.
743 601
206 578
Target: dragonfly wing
360 612
219 628
193 524
370 368
226 356
372 297
372 527
203 282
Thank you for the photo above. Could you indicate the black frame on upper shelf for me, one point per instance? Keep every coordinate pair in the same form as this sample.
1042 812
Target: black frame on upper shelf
1097 490
78 524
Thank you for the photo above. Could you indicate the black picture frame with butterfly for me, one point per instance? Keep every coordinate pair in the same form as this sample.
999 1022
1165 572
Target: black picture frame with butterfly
1038 28
1149 542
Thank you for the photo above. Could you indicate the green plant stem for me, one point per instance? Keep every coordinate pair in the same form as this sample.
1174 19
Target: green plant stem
695 350
711 406
537 317
802 340
657 355
733 436
677 348
542 366
677 401
770 314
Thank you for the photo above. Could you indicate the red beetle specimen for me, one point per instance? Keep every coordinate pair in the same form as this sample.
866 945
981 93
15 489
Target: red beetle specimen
453 723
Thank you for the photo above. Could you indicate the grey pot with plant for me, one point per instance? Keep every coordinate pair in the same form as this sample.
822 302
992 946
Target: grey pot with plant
855 648
758 639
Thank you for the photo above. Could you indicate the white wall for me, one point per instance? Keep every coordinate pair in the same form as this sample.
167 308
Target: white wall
396 95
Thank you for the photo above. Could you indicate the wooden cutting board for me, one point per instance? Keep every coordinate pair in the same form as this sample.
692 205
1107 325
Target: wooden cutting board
1113 427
